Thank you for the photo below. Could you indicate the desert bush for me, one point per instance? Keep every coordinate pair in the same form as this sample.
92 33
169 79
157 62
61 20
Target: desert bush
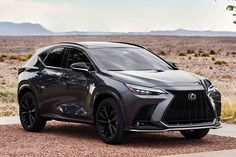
189 58
199 72
200 51
211 67
213 58
233 53
220 63
162 53
196 54
181 54
190 51
212 52
204 54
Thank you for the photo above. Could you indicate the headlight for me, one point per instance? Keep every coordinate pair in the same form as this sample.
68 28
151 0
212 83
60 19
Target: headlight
211 87
145 91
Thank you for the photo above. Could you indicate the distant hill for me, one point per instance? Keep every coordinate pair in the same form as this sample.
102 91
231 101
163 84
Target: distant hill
29 29
25 29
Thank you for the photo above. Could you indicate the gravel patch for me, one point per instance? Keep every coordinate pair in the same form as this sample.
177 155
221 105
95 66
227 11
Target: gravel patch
70 139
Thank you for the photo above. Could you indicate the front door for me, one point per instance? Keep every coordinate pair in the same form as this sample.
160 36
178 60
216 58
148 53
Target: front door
77 87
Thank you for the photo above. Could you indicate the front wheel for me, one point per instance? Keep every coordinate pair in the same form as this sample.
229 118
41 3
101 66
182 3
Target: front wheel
29 113
109 121
194 134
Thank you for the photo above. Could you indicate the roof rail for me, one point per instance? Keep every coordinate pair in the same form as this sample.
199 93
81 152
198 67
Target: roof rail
128 44
68 42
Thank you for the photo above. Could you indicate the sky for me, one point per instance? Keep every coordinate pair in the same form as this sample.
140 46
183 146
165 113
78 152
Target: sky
120 15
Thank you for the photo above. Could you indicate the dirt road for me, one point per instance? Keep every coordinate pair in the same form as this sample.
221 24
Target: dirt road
69 139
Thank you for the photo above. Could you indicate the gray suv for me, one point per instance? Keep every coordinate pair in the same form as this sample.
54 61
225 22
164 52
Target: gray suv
117 87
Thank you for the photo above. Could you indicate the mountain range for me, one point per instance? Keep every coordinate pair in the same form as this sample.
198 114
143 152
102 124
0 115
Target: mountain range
30 29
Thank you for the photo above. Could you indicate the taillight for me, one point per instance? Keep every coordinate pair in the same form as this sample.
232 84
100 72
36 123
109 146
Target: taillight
20 70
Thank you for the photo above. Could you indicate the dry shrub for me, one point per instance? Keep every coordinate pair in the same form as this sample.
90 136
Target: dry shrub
196 54
190 51
212 52
181 54
221 63
204 54
199 73
162 53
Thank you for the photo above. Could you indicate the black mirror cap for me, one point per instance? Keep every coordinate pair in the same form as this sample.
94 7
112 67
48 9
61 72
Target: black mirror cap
80 66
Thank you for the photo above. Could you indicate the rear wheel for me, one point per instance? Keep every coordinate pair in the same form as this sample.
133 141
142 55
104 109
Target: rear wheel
194 134
29 113
109 122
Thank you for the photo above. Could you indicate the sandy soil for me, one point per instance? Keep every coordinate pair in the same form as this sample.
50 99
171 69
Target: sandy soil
68 139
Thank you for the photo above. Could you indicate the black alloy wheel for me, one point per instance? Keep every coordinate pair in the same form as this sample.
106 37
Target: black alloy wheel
109 122
29 114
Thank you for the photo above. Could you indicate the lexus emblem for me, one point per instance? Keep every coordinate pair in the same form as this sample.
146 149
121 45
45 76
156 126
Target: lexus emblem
192 96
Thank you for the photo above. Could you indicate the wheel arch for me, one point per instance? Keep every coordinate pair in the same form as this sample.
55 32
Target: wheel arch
99 97
24 89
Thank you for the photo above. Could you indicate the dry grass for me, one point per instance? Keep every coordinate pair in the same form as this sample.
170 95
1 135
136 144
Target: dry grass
22 57
8 91
228 110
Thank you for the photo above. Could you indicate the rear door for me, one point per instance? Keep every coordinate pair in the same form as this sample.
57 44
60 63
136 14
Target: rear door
51 81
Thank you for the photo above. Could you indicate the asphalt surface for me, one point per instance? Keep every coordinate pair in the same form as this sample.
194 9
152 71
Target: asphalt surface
70 139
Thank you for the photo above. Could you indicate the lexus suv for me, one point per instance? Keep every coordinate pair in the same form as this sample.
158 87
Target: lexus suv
117 87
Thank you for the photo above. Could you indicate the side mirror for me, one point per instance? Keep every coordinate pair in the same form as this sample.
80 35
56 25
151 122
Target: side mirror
173 64
80 66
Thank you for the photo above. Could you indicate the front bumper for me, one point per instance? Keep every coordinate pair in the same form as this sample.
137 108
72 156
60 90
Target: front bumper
165 128
155 122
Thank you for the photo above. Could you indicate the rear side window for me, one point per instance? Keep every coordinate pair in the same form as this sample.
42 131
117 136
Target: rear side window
55 57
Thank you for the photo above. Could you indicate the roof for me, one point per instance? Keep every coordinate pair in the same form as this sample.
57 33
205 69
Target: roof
102 44
106 44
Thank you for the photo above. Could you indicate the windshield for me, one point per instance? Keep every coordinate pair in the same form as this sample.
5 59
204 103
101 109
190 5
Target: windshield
123 59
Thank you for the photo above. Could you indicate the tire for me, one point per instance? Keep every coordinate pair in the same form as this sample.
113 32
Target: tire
194 134
29 114
109 122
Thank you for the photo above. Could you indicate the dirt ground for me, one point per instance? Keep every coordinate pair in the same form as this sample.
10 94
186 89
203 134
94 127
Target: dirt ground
70 139
211 57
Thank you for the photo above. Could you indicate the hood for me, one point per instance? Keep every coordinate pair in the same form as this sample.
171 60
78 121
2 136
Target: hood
154 78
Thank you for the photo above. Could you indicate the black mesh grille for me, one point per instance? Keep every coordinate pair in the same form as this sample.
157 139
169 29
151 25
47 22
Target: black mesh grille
184 111
145 113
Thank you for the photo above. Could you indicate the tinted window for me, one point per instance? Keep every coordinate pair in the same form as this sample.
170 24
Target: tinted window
76 56
128 59
43 55
55 57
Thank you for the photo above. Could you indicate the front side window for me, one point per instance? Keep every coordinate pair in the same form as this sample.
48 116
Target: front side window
76 56
122 59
